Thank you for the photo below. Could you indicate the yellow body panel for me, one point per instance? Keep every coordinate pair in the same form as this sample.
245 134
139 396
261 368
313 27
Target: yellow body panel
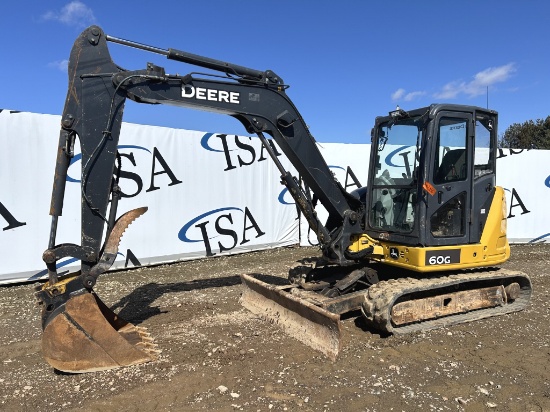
493 248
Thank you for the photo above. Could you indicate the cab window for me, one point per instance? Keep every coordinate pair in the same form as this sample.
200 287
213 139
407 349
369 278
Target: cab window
450 156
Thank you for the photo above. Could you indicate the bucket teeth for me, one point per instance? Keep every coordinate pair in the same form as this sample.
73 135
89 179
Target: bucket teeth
149 347
153 352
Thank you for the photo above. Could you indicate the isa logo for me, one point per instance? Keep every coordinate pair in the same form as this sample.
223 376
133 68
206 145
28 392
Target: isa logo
239 151
402 157
344 175
225 228
141 168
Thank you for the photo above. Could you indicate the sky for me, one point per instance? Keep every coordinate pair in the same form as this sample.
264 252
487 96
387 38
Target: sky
346 61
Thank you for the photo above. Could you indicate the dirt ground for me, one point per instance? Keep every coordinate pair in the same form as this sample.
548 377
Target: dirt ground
218 356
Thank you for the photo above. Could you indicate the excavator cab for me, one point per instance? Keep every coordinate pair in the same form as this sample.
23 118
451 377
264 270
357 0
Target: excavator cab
432 179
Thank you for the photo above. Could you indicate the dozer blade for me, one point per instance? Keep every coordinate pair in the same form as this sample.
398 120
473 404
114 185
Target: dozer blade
81 334
86 336
310 324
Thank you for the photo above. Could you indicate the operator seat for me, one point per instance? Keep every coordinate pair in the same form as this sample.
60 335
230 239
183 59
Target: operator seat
452 167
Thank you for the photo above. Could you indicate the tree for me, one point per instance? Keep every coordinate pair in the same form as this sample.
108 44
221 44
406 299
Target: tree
528 135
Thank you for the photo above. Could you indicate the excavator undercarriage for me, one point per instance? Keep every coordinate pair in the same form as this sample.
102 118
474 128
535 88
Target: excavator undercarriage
310 311
418 248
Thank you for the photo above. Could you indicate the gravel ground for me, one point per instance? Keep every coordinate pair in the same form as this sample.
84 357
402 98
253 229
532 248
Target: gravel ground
218 356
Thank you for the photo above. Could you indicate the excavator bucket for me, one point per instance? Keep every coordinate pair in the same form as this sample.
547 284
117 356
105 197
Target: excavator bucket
310 324
81 334
84 335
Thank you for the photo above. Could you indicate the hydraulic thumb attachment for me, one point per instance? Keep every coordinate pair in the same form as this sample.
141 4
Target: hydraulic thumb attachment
81 334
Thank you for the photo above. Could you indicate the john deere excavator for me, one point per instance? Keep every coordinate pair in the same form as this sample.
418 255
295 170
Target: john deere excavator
416 250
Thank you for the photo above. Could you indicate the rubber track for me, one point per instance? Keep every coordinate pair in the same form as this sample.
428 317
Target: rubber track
381 297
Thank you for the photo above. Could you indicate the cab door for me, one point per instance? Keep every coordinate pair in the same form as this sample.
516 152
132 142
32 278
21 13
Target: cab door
448 184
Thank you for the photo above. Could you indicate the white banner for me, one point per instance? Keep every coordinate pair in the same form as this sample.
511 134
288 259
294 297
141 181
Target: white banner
207 193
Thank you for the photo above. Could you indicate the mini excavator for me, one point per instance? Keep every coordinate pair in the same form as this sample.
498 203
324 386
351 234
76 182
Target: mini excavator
417 248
